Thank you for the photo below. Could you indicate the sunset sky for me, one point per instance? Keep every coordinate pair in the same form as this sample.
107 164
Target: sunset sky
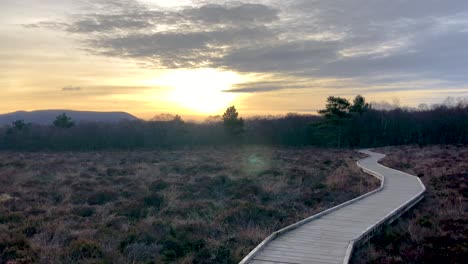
198 57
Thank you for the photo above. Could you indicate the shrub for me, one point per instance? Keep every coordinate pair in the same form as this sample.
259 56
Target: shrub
101 197
210 188
119 172
11 217
132 210
30 230
250 213
185 239
223 255
158 185
142 252
84 211
84 249
154 200
142 245
16 249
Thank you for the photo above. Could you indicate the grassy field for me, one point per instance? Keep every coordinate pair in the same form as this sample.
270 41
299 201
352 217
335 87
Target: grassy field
211 205
436 230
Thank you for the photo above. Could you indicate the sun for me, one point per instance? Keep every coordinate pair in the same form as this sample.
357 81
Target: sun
200 91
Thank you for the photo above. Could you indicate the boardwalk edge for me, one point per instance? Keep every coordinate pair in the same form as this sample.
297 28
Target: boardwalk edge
271 237
387 219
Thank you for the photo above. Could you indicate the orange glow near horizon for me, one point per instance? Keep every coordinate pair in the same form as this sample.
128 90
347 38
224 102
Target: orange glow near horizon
199 91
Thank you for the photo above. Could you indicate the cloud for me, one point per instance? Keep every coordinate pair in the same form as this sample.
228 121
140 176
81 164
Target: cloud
179 49
264 86
101 23
271 83
193 36
109 90
71 89
407 41
295 57
117 16
48 24
240 14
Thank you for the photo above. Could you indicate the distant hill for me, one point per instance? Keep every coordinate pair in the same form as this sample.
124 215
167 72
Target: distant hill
45 117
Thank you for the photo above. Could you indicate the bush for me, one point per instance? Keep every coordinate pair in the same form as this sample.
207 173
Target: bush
132 210
183 240
84 211
158 185
30 230
84 249
246 214
16 249
101 197
154 200
11 217
142 252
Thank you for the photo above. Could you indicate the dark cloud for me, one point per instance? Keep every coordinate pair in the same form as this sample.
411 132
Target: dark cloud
348 11
267 86
295 57
406 41
288 82
188 37
132 16
179 49
436 56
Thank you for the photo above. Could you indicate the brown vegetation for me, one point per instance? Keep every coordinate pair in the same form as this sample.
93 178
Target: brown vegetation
435 230
211 205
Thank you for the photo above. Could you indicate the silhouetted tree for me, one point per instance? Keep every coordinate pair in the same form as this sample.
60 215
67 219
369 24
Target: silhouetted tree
178 119
167 117
336 107
19 125
63 121
213 119
352 130
359 105
233 125
17 133
336 110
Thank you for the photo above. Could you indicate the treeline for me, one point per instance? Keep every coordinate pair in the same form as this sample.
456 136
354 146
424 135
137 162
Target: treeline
289 130
341 124
375 128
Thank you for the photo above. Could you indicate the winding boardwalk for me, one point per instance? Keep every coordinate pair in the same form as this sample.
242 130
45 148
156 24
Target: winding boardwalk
329 237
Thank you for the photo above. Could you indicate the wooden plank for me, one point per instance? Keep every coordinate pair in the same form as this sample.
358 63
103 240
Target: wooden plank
328 251
298 258
256 261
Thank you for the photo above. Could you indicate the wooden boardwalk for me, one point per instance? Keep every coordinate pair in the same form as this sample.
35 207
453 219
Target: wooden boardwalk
329 237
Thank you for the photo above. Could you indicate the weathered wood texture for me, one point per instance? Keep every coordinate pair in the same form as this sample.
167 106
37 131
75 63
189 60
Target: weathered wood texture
329 237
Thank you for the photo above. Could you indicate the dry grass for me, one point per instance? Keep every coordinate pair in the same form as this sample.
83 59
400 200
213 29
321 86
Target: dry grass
210 205
436 230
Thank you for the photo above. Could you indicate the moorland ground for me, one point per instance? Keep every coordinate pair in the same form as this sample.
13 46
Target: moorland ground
210 205
436 229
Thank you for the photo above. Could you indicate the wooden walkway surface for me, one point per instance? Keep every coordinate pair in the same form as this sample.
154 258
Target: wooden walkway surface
329 237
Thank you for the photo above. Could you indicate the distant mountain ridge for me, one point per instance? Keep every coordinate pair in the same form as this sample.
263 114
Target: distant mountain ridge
45 117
